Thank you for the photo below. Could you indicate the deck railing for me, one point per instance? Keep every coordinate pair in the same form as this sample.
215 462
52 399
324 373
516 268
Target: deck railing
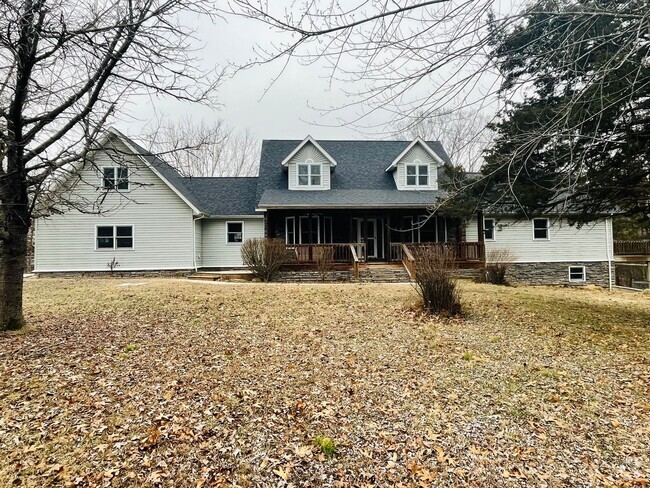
341 252
632 248
408 260
466 252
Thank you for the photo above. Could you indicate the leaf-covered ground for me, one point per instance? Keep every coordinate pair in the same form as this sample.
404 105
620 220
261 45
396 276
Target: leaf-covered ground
177 383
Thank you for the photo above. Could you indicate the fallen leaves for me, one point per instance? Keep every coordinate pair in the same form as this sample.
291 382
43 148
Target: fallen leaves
192 384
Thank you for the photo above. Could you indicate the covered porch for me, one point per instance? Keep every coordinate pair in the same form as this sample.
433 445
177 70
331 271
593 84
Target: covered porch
367 236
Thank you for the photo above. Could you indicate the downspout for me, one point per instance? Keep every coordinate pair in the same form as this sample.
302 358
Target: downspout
194 264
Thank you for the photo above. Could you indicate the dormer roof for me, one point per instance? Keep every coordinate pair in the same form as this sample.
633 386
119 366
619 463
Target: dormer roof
413 143
305 141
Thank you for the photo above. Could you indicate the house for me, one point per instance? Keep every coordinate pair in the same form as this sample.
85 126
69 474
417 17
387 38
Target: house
369 201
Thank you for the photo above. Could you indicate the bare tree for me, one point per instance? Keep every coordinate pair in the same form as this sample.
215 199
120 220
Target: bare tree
206 149
66 67
463 133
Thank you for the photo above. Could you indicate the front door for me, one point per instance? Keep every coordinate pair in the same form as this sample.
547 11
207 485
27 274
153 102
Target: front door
374 241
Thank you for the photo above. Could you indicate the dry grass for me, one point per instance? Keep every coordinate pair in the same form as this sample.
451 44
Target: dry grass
182 384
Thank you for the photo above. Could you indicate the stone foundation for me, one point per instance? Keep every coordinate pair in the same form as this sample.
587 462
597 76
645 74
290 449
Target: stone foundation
182 273
342 275
557 273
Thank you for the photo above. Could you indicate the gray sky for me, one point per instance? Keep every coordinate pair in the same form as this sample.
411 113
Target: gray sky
285 111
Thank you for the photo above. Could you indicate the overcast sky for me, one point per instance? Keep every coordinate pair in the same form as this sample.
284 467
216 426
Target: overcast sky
285 109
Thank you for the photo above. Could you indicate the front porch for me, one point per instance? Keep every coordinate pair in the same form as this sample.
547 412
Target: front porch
379 236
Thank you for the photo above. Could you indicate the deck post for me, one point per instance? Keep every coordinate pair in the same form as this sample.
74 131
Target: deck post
387 238
311 238
365 233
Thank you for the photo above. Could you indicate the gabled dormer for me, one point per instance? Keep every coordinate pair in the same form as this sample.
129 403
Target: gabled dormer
416 167
309 166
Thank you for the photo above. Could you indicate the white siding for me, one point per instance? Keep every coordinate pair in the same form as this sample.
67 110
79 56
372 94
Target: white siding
566 243
309 151
416 153
217 253
162 226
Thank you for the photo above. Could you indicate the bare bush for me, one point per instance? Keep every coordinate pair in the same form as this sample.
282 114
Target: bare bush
435 279
497 263
324 257
264 257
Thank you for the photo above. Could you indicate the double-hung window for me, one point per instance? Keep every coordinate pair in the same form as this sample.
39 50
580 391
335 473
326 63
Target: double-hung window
417 174
115 178
488 229
540 229
234 232
309 174
114 237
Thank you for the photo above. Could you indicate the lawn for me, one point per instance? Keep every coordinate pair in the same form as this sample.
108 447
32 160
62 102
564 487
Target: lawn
179 383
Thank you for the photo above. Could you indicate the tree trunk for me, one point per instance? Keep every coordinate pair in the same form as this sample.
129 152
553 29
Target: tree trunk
13 254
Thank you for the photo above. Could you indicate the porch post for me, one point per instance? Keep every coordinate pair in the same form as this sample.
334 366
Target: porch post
365 233
309 219
387 238
481 235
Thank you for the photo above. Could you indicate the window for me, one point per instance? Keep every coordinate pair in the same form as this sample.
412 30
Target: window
577 274
235 232
114 237
309 234
488 229
115 178
290 230
417 174
309 174
540 228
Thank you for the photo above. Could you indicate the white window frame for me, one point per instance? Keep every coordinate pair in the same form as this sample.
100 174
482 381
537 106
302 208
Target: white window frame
115 248
243 238
115 179
494 228
286 230
300 218
584 274
310 164
548 229
417 164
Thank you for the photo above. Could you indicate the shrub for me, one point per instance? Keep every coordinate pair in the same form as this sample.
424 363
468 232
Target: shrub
435 281
264 257
497 263
324 257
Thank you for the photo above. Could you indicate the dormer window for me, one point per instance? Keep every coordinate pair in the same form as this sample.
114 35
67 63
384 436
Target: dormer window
417 174
309 173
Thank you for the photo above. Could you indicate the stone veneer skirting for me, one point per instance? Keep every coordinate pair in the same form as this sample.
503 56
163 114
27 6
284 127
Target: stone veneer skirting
313 276
117 274
557 273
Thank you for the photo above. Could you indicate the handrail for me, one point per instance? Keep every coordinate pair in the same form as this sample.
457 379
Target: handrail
632 247
355 261
408 261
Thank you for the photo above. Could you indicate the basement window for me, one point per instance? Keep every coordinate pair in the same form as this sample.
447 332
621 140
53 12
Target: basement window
577 274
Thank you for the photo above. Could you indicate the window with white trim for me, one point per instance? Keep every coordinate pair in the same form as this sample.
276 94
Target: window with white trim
540 229
115 178
309 174
114 237
417 174
488 229
290 230
234 232
577 274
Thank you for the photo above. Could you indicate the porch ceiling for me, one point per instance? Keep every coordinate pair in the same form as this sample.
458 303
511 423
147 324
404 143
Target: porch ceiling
273 198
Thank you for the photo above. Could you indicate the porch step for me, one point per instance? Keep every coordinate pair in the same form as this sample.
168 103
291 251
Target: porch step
384 274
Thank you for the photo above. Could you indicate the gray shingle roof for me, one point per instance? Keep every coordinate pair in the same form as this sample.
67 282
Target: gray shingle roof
361 165
274 198
225 195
